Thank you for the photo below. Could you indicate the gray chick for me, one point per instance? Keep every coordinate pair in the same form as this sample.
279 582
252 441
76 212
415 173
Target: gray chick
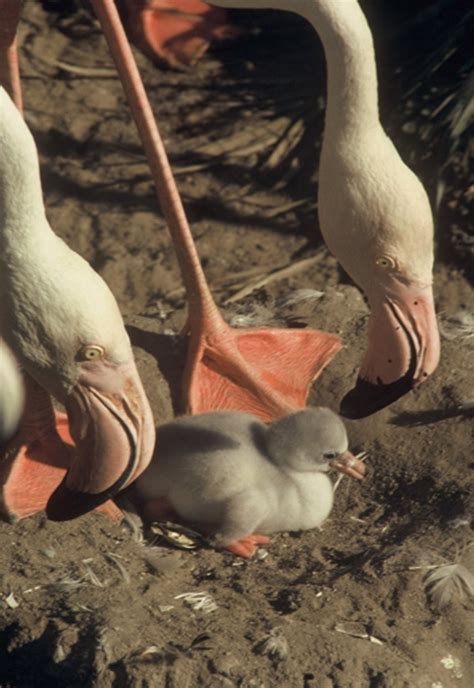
239 480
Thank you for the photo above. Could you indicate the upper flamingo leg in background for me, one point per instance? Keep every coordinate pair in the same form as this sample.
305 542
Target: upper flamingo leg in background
266 372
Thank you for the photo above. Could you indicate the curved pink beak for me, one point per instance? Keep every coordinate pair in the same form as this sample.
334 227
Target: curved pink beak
403 348
111 423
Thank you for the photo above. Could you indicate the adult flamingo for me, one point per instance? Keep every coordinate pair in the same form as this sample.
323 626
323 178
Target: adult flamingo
64 326
373 211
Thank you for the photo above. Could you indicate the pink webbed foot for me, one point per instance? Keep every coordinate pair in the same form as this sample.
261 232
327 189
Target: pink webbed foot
247 546
266 372
31 468
177 32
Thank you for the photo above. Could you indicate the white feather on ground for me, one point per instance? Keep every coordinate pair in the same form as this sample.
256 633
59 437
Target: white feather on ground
448 582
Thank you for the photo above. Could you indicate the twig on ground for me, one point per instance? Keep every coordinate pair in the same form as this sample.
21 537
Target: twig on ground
282 273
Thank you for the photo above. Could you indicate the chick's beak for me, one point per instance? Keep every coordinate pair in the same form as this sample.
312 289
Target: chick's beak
403 349
112 427
350 465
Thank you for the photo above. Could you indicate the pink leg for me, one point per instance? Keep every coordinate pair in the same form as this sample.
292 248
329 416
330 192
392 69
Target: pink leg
247 546
9 69
34 462
266 372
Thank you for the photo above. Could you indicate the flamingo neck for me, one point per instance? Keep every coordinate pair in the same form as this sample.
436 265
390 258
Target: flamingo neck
352 98
352 103
22 215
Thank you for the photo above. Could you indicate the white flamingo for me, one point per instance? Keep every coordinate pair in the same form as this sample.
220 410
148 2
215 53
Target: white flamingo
373 211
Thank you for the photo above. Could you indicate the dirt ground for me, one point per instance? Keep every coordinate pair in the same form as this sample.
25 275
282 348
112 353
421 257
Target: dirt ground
83 603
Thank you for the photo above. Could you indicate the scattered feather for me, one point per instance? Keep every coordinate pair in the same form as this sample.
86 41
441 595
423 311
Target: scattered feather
358 634
68 583
115 559
28 590
11 601
198 601
85 608
447 582
452 664
466 406
456 523
458 326
92 577
261 554
133 524
273 645
103 644
259 316
165 608
49 552
59 655
150 655
298 296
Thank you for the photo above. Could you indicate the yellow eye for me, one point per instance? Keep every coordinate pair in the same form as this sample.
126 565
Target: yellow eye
91 352
385 262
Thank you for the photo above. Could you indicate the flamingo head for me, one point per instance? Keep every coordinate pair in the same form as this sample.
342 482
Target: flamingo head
75 345
379 226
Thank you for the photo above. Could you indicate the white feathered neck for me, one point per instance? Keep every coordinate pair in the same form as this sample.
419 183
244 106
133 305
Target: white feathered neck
370 204
52 302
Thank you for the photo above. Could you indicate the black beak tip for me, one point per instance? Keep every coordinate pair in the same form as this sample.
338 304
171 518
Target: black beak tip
367 398
65 504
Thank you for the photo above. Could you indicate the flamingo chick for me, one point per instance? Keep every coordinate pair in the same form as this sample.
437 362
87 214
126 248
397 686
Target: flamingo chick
64 326
374 213
230 475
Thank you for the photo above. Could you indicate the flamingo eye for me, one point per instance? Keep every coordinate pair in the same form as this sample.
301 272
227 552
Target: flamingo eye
91 352
385 262
330 455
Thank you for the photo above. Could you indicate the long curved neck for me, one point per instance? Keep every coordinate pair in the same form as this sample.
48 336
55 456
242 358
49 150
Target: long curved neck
352 102
352 98
22 216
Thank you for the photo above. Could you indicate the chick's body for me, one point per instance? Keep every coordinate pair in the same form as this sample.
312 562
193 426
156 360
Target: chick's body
229 471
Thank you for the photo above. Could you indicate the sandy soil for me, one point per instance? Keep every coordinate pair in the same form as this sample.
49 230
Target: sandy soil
83 603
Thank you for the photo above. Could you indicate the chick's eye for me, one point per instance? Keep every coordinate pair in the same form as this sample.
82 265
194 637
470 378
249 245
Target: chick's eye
385 262
90 353
330 455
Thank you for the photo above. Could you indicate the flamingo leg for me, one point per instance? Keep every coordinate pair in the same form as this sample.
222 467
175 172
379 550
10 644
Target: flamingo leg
161 510
34 462
265 372
248 545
